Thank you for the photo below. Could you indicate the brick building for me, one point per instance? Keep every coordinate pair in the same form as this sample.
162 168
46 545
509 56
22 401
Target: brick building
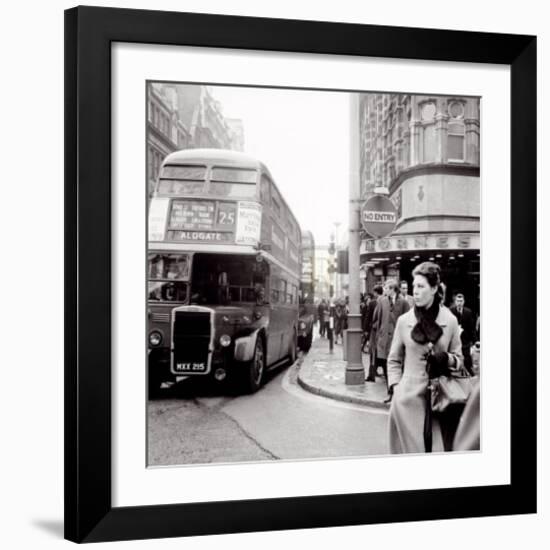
424 152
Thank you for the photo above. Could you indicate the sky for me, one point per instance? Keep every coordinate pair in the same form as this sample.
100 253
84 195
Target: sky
302 136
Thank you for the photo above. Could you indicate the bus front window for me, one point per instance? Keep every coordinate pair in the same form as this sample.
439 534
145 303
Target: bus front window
182 180
233 182
167 292
233 190
227 279
168 277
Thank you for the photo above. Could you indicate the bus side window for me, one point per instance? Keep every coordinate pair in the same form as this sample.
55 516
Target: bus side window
282 294
264 189
292 294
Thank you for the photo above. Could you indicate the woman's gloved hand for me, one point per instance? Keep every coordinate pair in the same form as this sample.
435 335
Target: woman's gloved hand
438 364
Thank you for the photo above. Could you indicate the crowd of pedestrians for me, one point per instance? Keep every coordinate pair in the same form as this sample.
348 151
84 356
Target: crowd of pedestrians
338 310
412 340
415 339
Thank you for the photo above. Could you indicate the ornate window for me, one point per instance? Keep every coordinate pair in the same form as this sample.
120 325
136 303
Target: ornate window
456 132
429 145
428 112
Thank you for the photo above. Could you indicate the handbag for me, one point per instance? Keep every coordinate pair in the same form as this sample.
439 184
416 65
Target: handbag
449 390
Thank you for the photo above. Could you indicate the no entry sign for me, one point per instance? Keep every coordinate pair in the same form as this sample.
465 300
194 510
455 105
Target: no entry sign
378 216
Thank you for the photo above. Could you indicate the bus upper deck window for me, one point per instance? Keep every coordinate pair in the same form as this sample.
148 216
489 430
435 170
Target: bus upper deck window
234 175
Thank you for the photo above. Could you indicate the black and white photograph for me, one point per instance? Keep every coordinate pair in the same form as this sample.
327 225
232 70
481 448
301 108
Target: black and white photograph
291 260
313 273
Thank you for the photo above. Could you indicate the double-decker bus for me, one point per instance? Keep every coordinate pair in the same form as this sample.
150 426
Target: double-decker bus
308 311
224 259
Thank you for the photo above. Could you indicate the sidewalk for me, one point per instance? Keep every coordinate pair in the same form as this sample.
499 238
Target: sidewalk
323 373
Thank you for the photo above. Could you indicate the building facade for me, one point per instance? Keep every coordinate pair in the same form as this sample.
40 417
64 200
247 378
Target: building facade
423 152
186 116
165 131
237 129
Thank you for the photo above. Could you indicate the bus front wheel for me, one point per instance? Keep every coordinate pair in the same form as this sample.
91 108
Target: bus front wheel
254 374
155 383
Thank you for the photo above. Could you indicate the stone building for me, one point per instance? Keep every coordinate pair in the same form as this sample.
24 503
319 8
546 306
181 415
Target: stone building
237 128
423 152
186 116
165 131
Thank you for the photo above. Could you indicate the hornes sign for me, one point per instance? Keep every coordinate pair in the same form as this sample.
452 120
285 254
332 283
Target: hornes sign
400 243
378 216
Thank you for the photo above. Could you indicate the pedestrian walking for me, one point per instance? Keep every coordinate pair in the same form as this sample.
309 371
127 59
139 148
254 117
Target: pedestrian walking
346 312
367 300
466 321
404 288
378 291
468 436
388 309
321 308
340 319
476 358
326 320
426 342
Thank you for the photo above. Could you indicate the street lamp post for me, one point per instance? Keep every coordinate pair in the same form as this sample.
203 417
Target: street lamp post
355 372
337 288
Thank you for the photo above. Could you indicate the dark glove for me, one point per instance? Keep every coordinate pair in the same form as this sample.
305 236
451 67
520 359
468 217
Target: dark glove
390 394
438 364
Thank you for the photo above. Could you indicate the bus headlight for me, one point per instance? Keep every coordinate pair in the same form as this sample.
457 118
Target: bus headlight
225 340
155 338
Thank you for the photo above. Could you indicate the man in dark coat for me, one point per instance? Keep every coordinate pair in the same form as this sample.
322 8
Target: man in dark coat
367 299
467 322
388 309
404 288
369 324
321 308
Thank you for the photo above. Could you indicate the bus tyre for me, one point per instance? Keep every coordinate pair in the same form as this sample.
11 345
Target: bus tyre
254 374
154 384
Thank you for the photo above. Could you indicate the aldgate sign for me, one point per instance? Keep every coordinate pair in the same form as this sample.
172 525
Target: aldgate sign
204 221
451 241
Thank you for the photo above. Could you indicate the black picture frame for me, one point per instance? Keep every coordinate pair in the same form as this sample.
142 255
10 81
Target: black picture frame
89 33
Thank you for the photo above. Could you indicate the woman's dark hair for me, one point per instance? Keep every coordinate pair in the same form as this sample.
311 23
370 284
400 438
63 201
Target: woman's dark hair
378 289
429 270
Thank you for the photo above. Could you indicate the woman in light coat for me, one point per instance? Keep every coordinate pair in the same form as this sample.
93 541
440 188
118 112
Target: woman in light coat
426 338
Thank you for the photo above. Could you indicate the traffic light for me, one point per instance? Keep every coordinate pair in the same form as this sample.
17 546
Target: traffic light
343 261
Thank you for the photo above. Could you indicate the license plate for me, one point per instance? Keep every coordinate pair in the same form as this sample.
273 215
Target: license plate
190 367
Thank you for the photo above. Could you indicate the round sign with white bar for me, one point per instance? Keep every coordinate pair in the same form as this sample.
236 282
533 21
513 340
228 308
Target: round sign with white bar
378 216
